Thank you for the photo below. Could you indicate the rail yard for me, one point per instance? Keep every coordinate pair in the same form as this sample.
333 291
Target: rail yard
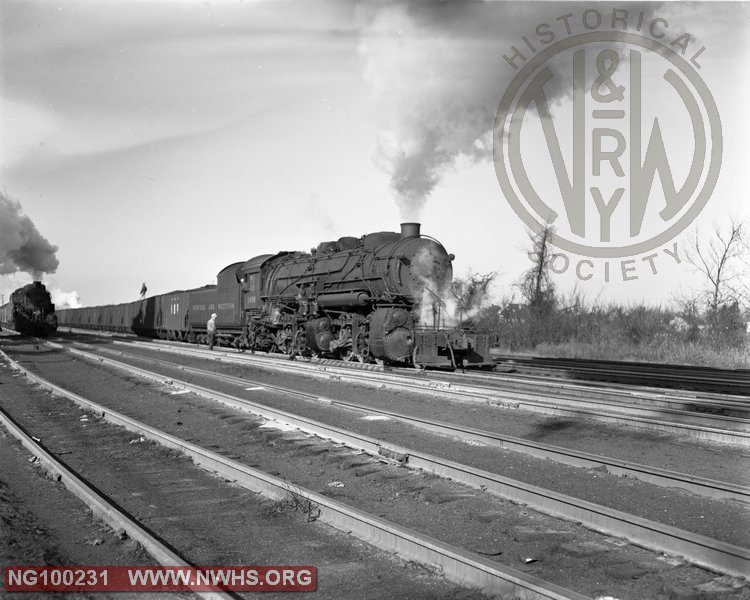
393 482
374 300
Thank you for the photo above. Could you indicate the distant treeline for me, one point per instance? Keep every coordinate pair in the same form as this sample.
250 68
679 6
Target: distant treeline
715 337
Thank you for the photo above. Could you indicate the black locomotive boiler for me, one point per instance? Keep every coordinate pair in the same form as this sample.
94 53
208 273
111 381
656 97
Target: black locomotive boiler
30 311
353 298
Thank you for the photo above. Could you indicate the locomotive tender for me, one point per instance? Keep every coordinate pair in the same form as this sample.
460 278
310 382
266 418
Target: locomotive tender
355 299
30 311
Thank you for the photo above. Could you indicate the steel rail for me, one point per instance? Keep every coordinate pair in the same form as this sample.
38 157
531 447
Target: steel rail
687 400
99 505
468 393
666 395
699 549
699 375
455 563
565 396
614 389
724 405
662 397
709 488
683 370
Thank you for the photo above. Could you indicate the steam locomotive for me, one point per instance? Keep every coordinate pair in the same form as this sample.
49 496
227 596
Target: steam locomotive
30 311
353 298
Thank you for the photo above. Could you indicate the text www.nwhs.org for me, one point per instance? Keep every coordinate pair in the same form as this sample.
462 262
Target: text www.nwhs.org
160 579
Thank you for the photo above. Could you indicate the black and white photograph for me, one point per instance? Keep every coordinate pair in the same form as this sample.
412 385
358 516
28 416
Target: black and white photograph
375 299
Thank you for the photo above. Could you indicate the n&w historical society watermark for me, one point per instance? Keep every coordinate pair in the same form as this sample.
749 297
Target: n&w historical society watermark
609 135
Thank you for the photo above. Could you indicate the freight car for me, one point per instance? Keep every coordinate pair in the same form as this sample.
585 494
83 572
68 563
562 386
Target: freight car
353 298
30 311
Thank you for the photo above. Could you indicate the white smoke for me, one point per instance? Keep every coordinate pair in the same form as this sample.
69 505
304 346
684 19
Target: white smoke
436 75
442 309
63 299
437 306
424 89
446 302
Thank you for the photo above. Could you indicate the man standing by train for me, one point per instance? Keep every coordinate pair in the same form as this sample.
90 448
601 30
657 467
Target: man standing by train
211 327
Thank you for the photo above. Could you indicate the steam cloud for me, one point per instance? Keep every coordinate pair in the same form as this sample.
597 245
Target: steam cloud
22 247
432 100
436 76
63 299
437 306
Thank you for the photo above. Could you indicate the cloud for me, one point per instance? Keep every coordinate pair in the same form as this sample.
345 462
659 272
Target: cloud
25 128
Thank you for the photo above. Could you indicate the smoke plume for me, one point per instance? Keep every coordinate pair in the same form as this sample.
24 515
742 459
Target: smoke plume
63 299
436 76
433 102
22 247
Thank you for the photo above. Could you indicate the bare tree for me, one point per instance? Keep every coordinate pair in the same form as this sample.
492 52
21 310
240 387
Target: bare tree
535 285
470 292
723 260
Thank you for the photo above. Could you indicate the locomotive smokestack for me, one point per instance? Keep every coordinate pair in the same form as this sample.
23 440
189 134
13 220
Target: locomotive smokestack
409 230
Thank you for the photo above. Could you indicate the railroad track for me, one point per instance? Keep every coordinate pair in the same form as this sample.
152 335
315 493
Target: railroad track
410 456
608 377
699 549
650 411
101 506
454 563
699 402
705 487
704 379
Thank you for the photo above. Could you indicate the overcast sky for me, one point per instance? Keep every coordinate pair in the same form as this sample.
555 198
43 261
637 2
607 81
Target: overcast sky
159 141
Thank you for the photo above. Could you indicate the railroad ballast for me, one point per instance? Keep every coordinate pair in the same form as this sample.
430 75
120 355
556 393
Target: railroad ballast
353 298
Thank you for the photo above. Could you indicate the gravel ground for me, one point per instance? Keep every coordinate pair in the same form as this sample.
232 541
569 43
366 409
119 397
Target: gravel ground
713 518
508 533
32 531
665 450
210 521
